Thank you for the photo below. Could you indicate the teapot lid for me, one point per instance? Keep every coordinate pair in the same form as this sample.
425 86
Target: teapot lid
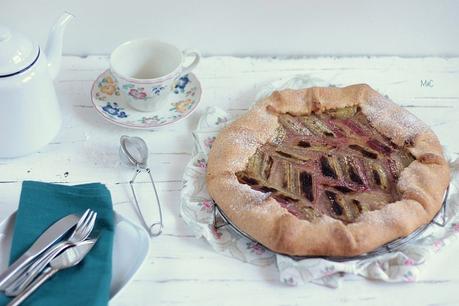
17 52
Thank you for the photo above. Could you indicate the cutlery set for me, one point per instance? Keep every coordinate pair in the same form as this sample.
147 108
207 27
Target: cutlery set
48 255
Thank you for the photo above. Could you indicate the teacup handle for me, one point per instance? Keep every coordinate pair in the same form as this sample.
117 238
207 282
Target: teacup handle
197 58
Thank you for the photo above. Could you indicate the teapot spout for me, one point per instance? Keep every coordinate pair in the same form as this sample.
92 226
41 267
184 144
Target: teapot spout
53 48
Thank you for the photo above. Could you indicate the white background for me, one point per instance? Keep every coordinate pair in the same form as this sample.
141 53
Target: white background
251 27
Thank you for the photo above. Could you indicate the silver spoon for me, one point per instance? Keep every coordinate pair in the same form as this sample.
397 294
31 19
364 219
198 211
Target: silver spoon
134 152
69 258
82 230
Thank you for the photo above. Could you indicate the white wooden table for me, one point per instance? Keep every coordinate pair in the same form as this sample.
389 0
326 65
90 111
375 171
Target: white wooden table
181 270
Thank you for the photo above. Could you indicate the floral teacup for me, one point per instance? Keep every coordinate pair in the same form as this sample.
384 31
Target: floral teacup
147 70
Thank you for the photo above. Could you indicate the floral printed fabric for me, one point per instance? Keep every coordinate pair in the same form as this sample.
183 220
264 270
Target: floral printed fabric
197 209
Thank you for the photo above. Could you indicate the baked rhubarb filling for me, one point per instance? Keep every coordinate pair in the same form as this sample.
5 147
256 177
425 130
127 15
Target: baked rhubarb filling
333 163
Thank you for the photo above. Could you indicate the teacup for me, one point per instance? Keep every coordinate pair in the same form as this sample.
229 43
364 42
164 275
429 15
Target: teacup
148 70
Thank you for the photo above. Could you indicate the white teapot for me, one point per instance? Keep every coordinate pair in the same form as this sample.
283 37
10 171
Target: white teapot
29 112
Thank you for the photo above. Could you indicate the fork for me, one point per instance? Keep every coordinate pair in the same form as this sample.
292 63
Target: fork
82 230
67 259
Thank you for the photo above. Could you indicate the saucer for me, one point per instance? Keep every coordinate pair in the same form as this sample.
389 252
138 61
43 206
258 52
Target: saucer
112 106
125 263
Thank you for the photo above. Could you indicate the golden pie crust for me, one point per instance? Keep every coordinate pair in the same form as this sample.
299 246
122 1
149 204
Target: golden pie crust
421 185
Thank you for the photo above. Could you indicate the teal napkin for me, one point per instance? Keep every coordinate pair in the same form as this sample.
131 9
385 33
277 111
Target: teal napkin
41 205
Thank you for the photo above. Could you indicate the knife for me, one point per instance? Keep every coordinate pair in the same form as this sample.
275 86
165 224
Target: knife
49 237
71 257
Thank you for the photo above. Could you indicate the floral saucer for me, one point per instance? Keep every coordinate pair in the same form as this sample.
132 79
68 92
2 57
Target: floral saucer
112 106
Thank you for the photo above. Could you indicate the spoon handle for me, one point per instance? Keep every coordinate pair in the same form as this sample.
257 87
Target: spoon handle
33 286
23 281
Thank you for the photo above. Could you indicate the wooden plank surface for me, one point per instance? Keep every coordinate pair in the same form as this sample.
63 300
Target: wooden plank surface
181 270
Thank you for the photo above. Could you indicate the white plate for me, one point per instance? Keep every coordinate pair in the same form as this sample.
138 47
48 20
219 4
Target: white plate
126 262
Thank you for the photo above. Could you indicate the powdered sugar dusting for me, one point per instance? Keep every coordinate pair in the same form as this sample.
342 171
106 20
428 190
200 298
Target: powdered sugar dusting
250 193
245 195
244 138
234 147
379 217
396 122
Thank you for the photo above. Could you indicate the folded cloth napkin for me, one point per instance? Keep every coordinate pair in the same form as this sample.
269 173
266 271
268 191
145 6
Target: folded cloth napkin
41 205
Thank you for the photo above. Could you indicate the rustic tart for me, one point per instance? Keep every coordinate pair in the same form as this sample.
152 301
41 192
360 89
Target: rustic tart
327 171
